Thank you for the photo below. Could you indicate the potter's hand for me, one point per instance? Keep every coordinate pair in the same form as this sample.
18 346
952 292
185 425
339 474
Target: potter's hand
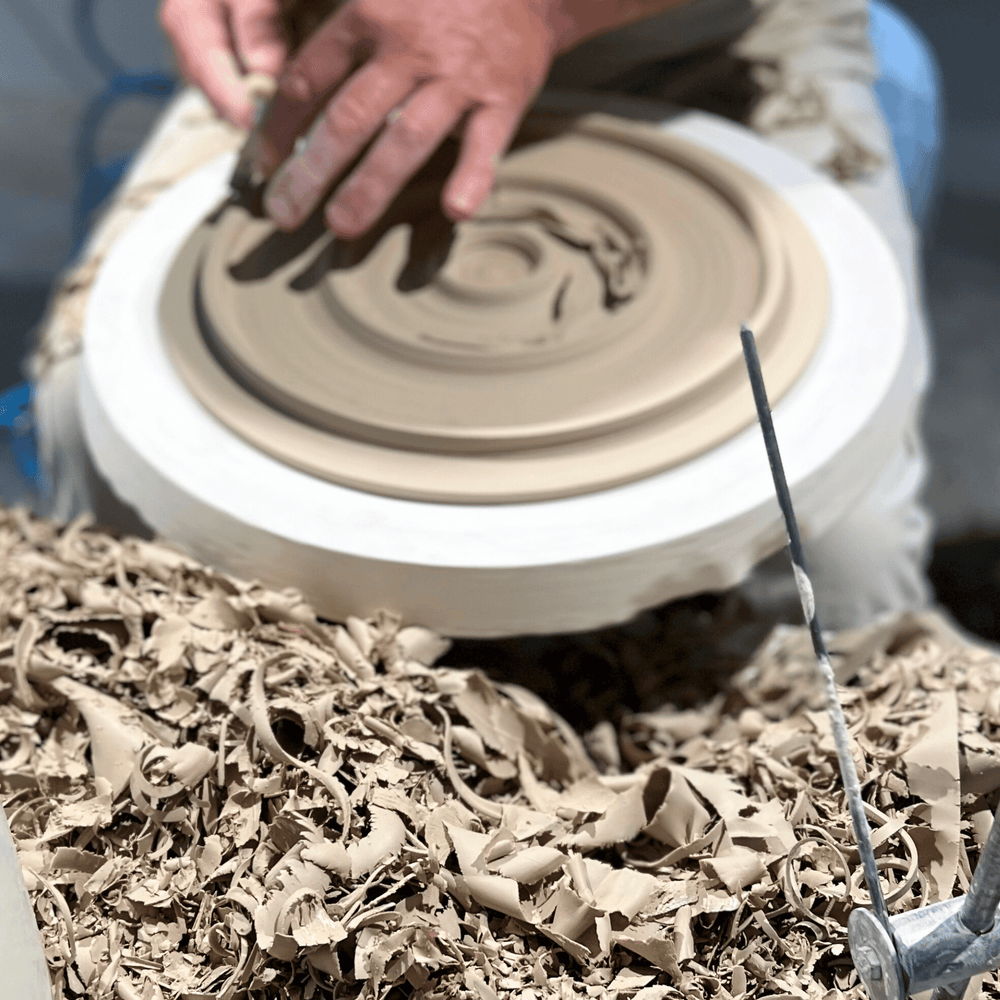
219 42
406 72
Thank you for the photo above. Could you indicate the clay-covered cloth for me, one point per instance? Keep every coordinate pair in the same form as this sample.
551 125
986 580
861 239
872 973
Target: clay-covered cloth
799 72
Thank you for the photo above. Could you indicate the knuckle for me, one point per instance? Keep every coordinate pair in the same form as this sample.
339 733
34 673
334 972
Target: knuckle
414 133
346 116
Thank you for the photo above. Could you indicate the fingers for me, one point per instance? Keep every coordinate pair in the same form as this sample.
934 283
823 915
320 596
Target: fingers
326 58
256 28
408 141
347 125
487 135
319 66
200 33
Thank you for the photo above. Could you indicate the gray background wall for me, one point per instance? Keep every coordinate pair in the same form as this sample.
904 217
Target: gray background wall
962 267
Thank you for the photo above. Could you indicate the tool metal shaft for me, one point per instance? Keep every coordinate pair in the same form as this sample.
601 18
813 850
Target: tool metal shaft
979 910
848 771
243 182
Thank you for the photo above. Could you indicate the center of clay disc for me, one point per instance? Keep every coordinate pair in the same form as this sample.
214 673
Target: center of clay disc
494 263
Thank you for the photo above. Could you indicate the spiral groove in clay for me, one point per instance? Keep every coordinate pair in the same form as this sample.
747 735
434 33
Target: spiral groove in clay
580 333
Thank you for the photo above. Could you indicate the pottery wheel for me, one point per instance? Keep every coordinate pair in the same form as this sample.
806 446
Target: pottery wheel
580 333
293 422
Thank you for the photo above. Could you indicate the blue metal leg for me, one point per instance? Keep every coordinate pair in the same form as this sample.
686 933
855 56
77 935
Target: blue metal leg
909 91
19 471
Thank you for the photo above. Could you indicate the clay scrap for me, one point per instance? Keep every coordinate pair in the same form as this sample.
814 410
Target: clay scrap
216 794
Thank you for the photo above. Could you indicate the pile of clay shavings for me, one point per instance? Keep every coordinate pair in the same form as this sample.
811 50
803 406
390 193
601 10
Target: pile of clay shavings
214 794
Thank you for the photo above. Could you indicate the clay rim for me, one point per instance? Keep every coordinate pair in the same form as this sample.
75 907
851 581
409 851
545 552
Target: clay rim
789 317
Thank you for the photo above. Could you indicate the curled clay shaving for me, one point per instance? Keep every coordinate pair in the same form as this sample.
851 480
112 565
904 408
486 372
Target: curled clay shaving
210 872
912 868
386 839
793 887
483 806
264 733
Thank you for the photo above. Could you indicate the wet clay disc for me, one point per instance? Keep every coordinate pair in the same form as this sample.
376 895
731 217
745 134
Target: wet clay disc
579 333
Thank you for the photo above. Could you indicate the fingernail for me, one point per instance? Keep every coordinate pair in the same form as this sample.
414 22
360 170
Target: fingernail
296 86
340 220
279 208
461 206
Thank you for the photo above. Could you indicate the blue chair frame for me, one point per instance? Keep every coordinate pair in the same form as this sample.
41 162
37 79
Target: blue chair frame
95 181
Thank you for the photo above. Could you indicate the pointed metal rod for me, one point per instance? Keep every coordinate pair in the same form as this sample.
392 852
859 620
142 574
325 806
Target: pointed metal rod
848 771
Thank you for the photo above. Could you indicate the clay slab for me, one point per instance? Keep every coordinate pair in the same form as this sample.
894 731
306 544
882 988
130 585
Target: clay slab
579 334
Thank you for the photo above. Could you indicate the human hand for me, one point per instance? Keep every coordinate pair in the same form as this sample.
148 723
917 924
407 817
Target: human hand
404 73
220 43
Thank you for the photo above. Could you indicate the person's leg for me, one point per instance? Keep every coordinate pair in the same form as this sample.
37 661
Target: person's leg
908 89
621 60
874 560
187 136
802 74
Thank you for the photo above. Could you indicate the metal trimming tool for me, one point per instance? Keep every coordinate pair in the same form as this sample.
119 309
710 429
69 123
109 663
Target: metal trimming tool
941 946
245 186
